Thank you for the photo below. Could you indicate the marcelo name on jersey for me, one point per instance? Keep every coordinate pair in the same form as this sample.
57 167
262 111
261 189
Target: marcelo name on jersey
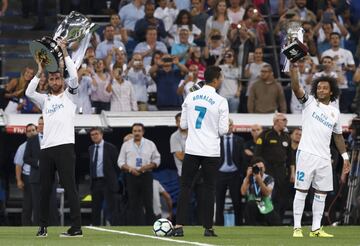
323 119
205 98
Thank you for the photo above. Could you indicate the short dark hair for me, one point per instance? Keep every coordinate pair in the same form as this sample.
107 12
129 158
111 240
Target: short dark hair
326 57
30 124
257 159
96 128
177 115
333 87
335 33
211 73
138 124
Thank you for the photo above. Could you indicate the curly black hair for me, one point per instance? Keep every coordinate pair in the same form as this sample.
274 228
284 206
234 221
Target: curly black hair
333 87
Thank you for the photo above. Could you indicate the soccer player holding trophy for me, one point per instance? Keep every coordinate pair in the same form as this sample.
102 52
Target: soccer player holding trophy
320 121
58 109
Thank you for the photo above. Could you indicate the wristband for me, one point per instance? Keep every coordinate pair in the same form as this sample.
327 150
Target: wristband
345 156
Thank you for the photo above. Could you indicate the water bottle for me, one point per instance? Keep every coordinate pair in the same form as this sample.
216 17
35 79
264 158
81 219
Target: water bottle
229 217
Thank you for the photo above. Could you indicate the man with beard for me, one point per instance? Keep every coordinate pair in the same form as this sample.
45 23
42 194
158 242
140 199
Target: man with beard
57 145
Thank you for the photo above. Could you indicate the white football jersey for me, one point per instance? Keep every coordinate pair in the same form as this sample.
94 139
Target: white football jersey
206 116
319 121
58 110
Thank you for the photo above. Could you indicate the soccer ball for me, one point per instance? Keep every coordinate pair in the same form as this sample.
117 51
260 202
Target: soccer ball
162 227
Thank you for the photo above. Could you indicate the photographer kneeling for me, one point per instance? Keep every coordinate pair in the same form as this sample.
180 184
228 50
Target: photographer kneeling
258 186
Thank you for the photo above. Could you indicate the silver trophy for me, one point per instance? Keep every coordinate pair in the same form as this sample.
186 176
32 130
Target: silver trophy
73 28
294 48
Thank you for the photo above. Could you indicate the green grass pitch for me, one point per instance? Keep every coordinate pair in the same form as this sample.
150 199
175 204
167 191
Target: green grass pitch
262 236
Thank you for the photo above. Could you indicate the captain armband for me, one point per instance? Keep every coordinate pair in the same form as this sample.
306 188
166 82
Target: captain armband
304 98
73 90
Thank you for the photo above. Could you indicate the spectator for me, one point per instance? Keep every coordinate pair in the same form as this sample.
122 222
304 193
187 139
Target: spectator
22 172
230 174
177 144
89 58
305 79
304 13
26 106
4 6
120 59
231 86
158 191
250 145
197 59
149 20
199 18
184 20
108 44
191 79
274 145
215 46
120 33
324 29
254 21
253 67
309 39
167 79
15 89
236 11
219 20
266 95
82 100
181 49
243 43
147 48
104 177
138 157
328 68
122 93
99 98
140 79
130 14
32 156
257 187
167 12
43 85
343 58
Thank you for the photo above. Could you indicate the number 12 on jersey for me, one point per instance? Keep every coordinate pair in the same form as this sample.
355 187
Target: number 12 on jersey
202 112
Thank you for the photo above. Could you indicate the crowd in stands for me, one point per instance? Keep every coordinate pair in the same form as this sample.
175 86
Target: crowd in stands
151 52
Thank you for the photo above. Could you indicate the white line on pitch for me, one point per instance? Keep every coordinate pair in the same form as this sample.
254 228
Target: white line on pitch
148 236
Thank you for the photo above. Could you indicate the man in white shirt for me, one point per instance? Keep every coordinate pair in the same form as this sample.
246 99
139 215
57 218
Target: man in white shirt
57 146
206 116
320 121
343 58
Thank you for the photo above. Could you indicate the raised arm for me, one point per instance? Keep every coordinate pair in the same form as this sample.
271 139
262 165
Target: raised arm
72 80
295 84
31 92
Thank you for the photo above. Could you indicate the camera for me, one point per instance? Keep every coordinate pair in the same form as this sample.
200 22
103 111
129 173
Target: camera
289 15
255 169
235 26
167 59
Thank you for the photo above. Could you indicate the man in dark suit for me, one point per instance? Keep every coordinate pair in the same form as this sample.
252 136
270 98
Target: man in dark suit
31 157
104 177
230 174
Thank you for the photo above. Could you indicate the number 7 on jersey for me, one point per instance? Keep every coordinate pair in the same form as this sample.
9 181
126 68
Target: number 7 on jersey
202 112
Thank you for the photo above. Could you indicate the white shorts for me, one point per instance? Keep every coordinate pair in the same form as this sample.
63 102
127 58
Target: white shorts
312 169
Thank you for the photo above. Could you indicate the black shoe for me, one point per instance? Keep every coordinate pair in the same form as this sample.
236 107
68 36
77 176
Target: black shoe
209 233
72 232
42 232
177 232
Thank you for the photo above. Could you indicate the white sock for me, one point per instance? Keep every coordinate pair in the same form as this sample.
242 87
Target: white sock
318 210
298 207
